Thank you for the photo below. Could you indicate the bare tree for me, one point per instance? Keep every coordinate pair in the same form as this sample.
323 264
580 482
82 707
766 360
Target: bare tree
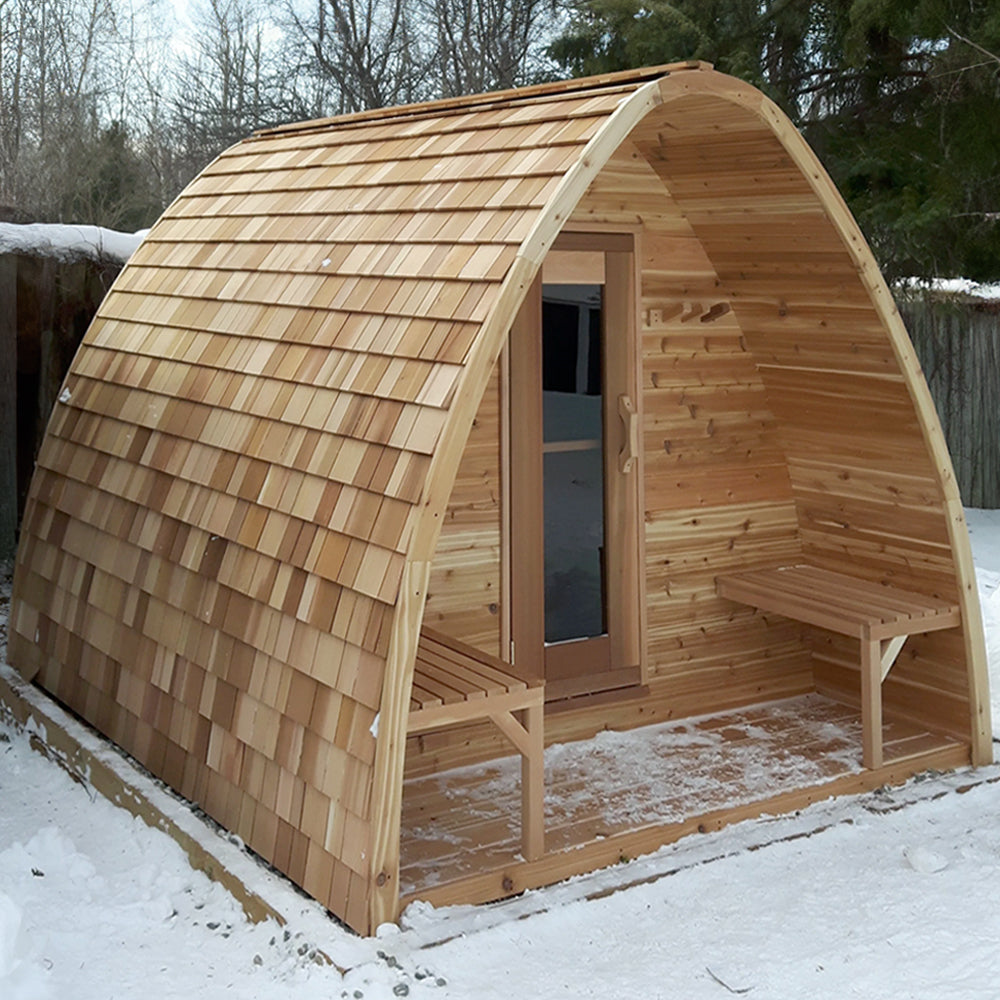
13 16
53 58
369 49
489 44
233 80
105 114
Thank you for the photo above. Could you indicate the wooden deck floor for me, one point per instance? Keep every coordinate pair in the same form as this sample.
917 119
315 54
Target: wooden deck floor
622 794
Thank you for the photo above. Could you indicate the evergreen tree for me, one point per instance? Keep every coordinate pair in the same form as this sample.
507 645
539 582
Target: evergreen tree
900 100
110 185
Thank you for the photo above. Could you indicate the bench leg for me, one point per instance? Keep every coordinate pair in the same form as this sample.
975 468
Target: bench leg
533 786
528 736
871 703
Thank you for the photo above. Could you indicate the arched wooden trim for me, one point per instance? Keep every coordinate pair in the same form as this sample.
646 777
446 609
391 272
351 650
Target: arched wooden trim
734 91
387 790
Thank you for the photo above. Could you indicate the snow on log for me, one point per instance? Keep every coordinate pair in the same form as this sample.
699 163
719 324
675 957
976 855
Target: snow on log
68 242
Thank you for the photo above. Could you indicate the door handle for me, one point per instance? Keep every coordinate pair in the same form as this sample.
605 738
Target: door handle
630 418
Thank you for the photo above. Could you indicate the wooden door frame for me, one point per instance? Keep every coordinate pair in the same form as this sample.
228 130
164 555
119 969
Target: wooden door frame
524 535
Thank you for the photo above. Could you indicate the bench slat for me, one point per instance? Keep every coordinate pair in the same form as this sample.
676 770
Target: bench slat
477 659
450 673
454 685
883 600
428 690
792 605
480 675
838 602
873 601
421 697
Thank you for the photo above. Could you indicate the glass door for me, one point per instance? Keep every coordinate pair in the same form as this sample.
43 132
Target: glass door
575 494
573 462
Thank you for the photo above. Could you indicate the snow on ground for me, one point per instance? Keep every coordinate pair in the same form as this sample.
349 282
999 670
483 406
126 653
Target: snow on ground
951 286
68 242
984 531
891 894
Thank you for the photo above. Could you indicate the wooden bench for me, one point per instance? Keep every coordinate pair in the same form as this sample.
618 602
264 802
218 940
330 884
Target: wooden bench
880 618
454 683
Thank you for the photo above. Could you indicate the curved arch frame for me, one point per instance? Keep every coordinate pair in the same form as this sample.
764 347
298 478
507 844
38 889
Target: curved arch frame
388 773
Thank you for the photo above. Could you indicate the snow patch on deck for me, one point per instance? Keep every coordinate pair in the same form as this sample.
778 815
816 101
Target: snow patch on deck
652 776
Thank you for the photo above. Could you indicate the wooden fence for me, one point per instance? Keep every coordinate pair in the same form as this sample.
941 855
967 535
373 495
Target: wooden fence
46 305
957 339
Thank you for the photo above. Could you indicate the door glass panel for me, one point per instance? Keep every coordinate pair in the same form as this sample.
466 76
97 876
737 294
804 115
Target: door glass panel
573 462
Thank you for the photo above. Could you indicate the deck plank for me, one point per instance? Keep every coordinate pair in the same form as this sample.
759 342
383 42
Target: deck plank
462 825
